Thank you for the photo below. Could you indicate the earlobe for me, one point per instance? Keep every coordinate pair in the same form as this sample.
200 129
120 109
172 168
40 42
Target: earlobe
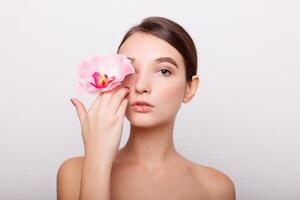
191 89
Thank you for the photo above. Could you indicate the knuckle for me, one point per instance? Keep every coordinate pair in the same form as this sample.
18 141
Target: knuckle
122 92
111 121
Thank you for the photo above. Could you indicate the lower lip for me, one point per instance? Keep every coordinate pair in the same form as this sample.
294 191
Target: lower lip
141 108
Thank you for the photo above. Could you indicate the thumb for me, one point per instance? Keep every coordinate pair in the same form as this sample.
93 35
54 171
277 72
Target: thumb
81 110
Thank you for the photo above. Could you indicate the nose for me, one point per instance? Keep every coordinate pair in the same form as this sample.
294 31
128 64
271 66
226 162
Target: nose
142 83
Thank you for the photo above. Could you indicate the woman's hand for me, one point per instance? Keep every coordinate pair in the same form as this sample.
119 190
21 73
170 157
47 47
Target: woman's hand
102 125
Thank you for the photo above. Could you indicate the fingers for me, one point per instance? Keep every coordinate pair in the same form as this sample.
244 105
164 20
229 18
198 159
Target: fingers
117 99
81 110
103 98
122 109
96 102
106 96
114 98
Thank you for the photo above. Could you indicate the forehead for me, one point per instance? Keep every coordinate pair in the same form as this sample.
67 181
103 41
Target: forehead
146 47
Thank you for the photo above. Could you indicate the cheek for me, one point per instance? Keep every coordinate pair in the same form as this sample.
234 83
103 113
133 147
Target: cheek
171 95
129 80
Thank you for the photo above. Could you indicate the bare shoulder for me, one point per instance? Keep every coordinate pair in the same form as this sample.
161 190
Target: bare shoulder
68 178
217 184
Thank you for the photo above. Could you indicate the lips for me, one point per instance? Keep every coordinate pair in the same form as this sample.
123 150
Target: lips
142 107
141 103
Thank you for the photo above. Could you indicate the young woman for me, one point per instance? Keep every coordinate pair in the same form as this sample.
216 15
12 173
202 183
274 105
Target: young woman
148 166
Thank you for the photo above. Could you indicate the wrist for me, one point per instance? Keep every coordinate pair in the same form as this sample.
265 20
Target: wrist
97 161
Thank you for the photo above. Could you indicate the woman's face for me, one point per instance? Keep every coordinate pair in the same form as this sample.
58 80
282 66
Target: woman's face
159 79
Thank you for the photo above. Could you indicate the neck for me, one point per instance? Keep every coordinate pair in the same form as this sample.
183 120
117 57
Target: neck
150 146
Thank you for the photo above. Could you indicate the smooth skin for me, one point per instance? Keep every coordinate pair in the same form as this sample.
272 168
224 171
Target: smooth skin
148 166
101 132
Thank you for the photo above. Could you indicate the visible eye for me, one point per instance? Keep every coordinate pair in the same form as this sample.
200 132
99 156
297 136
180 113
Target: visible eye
165 71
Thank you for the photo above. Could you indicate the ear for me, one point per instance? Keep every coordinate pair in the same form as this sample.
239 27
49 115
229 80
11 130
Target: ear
191 88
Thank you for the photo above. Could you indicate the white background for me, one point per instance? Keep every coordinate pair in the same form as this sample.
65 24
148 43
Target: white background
244 120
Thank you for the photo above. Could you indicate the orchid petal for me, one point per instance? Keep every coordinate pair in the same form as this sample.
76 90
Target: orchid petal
103 73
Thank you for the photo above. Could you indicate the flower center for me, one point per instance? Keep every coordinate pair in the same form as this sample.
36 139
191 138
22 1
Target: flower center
101 81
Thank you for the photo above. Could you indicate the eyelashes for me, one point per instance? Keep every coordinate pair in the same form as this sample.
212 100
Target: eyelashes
166 71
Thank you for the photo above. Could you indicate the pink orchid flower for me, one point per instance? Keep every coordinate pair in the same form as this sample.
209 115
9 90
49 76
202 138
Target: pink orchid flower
103 73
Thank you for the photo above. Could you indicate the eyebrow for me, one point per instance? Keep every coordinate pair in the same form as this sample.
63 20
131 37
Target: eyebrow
160 59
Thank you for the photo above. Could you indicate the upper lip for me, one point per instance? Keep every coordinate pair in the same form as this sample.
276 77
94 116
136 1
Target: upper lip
141 102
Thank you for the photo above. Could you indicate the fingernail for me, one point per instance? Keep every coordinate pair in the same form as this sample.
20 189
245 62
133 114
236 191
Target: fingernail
72 102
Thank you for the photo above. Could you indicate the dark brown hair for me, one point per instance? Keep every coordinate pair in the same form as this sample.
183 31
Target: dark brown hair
172 33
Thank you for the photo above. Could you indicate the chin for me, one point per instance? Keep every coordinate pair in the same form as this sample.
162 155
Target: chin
140 120
146 121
